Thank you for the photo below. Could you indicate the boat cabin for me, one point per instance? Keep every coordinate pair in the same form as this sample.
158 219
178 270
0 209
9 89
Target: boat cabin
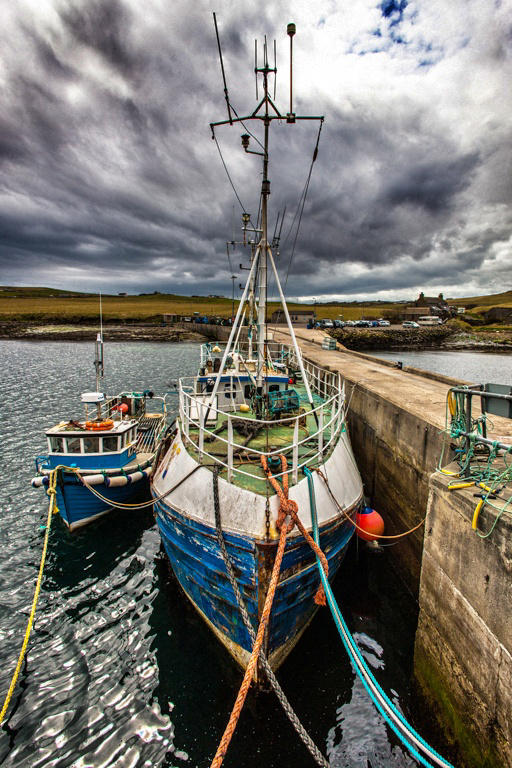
238 378
89 447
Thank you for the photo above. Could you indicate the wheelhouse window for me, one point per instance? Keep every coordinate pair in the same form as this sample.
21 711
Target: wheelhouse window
73 445
229 390
56 445
91 445
109 444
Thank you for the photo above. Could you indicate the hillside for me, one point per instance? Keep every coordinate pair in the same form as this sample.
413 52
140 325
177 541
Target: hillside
477 304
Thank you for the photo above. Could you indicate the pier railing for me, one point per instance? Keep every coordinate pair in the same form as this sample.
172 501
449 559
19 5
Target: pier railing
199 419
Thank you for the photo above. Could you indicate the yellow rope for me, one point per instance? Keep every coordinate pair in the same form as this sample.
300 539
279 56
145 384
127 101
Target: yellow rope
51 509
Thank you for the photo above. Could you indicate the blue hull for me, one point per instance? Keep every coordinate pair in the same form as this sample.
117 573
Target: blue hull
78 505
193 552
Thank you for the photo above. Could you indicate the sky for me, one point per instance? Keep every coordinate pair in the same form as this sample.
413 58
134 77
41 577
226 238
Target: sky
110 180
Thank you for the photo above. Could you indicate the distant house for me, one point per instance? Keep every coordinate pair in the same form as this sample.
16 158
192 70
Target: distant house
436 304
297 316
428 305
498 315
412 313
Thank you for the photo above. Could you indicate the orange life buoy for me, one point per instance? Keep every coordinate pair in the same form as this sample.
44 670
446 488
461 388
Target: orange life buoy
99 425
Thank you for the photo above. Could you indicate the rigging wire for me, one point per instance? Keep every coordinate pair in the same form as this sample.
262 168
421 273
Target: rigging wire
301 208
227 173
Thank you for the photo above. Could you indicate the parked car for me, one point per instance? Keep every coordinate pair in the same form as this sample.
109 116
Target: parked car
384 323
338 323
325 323
409 324
350 323
363 324
374 323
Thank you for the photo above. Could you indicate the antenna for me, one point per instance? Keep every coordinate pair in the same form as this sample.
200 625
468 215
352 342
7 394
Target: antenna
291 29
222 68
256 66
275 69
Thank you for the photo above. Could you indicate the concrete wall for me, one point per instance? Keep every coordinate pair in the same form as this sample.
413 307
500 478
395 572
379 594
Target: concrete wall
395 451
462 660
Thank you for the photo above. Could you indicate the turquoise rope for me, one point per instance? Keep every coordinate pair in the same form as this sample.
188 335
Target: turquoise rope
353 651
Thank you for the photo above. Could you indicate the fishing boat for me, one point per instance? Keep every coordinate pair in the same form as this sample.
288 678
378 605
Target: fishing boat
105 458
258 429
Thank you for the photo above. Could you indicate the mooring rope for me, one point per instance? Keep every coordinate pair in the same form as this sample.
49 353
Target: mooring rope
391 714
291 508
244 688
303 734
352 521
125 505
287 509
52 508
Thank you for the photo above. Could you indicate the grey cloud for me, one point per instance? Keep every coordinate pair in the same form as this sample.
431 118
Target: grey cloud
109 163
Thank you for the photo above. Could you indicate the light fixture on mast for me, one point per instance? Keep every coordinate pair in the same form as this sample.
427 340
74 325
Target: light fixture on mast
291 29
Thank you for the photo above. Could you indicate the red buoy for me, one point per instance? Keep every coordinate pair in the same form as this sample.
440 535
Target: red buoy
371 523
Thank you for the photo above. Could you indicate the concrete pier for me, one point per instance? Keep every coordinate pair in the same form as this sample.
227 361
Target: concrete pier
462 664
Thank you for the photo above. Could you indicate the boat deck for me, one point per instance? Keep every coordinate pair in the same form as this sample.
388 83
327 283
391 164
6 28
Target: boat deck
270 438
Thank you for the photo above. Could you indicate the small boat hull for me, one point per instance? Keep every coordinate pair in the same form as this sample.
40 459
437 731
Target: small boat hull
78 505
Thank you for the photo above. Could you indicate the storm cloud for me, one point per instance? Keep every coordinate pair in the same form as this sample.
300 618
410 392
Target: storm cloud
110 179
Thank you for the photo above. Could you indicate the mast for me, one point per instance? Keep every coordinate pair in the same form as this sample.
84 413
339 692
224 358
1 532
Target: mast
266 111
98 357
263 246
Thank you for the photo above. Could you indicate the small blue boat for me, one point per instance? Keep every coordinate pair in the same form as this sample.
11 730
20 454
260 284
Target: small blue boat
104 459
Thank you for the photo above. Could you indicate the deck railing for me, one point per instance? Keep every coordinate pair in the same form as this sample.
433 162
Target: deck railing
329 416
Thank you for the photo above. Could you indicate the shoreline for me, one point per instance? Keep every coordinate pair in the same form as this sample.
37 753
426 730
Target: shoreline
355 341
15 331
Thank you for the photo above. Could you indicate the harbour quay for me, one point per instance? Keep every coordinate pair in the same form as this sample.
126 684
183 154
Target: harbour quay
461 576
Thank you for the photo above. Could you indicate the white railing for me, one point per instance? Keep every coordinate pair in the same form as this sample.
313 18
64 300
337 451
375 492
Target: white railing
108 408
277 352
197 414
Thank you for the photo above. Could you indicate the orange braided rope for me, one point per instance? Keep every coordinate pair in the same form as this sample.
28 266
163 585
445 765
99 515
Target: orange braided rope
287 508
244 688
291 508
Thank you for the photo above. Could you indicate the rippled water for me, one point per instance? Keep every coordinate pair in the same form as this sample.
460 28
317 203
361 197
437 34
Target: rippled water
468 365
120 670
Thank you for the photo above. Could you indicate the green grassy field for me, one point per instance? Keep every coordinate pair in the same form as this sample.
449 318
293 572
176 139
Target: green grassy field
47 305
57 306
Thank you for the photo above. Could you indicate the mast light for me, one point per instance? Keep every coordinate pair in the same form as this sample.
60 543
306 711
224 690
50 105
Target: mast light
245 140
246 217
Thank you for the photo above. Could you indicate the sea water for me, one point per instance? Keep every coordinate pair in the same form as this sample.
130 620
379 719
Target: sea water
472 366
120 669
